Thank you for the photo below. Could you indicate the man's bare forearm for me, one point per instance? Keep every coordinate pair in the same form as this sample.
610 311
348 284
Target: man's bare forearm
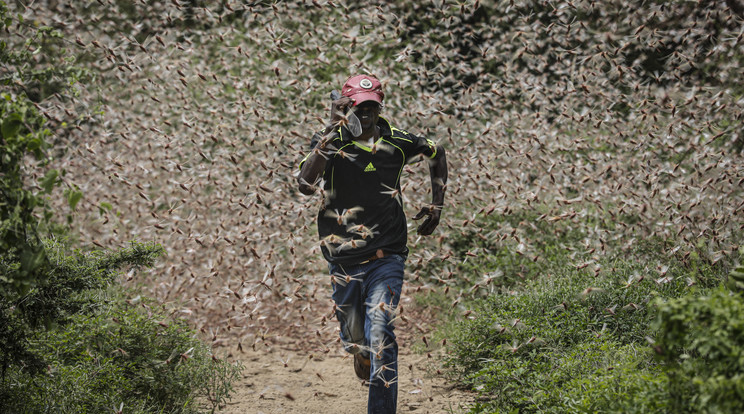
310 172
438 172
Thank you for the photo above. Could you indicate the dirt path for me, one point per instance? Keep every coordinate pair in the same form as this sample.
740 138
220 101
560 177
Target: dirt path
282 378
327 384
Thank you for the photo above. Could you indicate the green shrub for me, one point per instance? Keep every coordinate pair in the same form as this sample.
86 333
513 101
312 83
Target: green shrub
132 355
595 376
69 289
575 340
98 350
702 341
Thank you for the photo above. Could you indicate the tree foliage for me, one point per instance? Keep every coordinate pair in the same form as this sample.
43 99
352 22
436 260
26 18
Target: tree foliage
33 69
56 307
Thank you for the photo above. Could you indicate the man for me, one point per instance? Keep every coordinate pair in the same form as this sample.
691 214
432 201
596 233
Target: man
363 228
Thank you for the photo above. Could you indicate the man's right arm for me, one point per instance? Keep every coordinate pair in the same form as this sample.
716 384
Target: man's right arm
312 168
314 165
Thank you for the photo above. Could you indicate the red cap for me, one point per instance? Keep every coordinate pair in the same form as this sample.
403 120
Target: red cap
363 88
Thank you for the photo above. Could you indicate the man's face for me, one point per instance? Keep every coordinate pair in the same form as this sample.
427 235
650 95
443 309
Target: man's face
368 112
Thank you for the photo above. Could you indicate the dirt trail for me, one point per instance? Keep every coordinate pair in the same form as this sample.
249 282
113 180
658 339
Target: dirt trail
281 378
327 383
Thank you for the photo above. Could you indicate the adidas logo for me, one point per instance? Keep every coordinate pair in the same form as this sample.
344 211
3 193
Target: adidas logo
370 167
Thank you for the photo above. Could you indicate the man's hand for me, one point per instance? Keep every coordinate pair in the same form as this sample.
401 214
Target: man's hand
339 108
432 214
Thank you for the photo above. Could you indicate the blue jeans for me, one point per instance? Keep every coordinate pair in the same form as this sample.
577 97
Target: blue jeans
366 296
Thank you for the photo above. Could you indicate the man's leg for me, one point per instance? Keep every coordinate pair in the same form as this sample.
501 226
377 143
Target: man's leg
347 295
382 286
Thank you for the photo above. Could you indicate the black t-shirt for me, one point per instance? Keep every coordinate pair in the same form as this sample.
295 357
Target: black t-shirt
363 209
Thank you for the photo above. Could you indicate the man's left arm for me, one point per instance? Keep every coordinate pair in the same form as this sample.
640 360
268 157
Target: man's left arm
438 173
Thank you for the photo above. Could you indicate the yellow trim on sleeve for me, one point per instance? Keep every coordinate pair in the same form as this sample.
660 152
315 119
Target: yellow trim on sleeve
299 166
433 147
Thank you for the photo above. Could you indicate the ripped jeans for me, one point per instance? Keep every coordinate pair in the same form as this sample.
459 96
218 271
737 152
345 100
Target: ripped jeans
366 297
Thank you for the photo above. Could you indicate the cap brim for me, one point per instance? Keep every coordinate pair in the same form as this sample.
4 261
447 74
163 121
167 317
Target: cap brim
366 96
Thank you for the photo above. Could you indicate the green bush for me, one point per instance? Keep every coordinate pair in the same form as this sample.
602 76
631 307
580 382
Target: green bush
575 340
132 355
595 376
702 341
69 287
100 350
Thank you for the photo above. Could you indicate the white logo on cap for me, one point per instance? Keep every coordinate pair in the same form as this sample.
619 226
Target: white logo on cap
365 83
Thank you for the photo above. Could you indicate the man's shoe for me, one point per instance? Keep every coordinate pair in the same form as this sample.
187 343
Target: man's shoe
362 367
